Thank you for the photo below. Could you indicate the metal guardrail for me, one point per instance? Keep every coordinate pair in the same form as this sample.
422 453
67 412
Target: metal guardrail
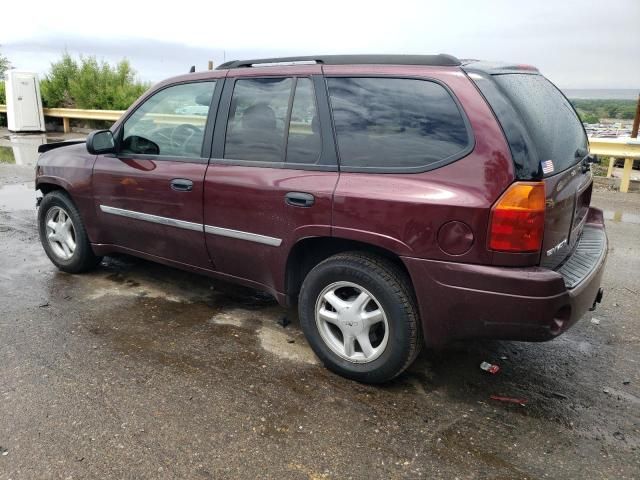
615 147
68 113
627 148
111 115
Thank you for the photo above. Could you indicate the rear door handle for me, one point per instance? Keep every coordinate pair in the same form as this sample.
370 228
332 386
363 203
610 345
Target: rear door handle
299 199
181 185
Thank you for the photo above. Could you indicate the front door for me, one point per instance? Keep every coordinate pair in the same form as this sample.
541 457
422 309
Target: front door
149 195
272 174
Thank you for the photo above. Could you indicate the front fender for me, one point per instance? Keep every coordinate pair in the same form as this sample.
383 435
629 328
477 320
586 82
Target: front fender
70 168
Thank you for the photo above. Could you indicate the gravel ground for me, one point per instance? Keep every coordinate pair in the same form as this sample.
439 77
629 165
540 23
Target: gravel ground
137 370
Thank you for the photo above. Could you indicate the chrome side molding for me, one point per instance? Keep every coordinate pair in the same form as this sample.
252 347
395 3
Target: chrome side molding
147 217
252 237
198 227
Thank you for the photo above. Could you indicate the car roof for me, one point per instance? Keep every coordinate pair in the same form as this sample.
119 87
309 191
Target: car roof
439 60
285 63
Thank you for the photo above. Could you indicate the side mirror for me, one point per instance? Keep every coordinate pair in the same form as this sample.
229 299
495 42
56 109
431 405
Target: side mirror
100 141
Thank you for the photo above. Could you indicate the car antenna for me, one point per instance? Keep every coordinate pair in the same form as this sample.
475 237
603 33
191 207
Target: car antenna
192 69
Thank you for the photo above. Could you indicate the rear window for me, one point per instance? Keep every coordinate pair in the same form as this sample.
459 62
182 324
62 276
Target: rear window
394 124
549 119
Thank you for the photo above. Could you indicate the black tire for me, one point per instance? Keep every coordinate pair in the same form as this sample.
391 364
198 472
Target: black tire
392 290
82 258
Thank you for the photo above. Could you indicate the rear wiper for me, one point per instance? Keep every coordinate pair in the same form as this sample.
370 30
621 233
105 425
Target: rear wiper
581 152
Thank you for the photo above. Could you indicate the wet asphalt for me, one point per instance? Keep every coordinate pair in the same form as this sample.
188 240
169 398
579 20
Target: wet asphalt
137 370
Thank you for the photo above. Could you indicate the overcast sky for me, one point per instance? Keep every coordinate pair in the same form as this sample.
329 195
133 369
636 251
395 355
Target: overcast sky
576 43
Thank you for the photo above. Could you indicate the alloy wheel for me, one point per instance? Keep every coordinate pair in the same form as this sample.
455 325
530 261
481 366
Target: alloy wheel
351 322
61 233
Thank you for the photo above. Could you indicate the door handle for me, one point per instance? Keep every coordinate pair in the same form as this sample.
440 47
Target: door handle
181 185
299 199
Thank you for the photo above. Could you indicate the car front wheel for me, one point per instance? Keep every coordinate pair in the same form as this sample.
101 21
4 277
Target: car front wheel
63 234
358 312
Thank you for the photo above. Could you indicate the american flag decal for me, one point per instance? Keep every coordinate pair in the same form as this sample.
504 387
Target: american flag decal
547 166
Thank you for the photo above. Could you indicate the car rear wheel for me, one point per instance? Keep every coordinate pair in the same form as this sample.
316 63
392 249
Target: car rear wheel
358 313
63 235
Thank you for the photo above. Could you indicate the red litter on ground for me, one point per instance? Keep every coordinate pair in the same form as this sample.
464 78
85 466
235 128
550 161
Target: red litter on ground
519 401
489 367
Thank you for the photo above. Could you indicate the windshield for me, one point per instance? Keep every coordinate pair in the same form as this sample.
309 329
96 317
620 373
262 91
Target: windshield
550 120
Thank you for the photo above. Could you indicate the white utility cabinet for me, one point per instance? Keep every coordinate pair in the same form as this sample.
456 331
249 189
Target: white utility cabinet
24 103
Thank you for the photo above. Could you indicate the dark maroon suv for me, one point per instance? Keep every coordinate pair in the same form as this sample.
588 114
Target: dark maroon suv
398 200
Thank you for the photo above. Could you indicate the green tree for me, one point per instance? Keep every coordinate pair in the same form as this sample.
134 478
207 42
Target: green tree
612 111
4 66
587 117
90 84
55 87
627 112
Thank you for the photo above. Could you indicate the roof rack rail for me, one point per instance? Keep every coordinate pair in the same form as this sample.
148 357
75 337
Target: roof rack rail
441 60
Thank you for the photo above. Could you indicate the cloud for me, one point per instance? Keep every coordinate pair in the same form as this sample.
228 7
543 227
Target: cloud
577 43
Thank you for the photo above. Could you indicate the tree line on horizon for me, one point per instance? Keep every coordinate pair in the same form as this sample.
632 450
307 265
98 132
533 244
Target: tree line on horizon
594 110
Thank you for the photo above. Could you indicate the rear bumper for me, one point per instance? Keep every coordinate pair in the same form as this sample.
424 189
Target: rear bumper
459 300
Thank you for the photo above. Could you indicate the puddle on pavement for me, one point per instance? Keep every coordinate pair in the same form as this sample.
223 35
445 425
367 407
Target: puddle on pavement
620 216
234 317
21 196
182 301
286 344
282 345
23 149
135 290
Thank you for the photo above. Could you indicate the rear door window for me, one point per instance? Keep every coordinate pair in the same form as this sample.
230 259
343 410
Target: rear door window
304 142
258 119
395 124
549 119
273 120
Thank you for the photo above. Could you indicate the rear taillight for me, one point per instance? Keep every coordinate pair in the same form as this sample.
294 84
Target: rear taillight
517 218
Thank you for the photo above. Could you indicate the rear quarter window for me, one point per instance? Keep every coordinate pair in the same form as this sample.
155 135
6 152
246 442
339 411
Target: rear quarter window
549 119
396 124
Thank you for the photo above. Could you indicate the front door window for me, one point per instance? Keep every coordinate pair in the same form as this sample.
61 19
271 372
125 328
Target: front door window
170 123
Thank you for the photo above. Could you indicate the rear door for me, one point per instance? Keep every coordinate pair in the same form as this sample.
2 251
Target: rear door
273 171
560 146
149 195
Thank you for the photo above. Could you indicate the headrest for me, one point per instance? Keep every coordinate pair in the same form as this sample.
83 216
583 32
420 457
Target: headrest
259 116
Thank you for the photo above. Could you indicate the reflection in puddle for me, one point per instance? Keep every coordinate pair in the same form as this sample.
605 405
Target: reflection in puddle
17 197
6 155
23 149
620 216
